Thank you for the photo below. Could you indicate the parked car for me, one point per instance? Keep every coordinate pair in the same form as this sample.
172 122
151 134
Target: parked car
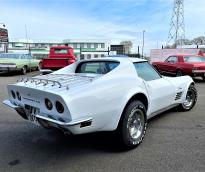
59 57
182 65
17 62
108 94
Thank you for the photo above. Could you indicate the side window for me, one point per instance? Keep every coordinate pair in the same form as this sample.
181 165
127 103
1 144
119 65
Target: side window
146 71
172 59
186 59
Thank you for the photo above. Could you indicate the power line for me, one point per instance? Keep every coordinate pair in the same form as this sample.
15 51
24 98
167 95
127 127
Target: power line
177 25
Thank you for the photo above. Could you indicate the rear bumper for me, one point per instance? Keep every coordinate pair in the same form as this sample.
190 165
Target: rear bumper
74 126
198 71
45 71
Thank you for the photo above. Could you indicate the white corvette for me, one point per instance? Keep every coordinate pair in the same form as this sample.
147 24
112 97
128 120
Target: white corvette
101 95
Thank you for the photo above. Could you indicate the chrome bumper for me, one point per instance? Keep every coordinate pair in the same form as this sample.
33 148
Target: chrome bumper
8 68
83 122
198 71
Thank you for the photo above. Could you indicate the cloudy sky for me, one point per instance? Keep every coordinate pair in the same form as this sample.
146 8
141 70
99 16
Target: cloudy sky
99 19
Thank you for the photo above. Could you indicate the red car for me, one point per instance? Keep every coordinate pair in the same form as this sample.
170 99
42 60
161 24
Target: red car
179 65
59 57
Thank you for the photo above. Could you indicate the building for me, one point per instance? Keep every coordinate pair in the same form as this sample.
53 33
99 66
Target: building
83 49
119 49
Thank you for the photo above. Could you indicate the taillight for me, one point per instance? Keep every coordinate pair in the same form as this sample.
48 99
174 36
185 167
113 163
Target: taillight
48 104
59 107
18 96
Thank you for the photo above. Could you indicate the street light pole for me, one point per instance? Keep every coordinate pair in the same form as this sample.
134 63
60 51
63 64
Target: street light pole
143 43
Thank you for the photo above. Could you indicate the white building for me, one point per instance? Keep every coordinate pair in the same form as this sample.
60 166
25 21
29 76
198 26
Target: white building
84 49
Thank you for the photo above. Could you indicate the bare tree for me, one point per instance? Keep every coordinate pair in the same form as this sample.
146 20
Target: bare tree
127 46
199 40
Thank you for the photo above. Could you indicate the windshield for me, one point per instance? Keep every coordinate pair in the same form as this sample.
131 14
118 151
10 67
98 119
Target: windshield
194 59
16 56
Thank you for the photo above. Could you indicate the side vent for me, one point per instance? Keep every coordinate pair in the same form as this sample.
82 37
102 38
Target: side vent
178 96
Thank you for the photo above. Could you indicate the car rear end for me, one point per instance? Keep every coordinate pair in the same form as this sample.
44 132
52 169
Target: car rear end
43 101
55 63
198 65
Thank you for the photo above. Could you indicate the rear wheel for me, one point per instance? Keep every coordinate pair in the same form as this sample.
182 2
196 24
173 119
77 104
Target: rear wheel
191 98
132 126
179 73
203 77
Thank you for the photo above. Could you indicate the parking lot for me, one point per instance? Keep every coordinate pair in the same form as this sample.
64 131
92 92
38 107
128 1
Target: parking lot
174 141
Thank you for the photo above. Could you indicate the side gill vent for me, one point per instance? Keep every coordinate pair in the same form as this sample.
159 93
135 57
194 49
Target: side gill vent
178 96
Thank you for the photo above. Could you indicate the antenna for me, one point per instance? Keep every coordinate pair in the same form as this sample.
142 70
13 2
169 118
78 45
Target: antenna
177 26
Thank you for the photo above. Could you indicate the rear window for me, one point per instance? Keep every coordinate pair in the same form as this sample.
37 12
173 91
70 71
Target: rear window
96 67
61 51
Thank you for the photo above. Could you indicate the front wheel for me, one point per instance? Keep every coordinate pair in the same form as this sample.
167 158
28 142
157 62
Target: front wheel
191 98
133 125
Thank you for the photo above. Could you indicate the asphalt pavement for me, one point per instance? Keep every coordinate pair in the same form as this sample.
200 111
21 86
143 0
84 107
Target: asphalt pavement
175 141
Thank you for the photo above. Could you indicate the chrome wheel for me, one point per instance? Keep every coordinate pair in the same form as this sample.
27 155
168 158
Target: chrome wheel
136 124
132 126
190 99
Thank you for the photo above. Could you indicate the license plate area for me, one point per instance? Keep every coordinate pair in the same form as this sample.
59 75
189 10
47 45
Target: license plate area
31 113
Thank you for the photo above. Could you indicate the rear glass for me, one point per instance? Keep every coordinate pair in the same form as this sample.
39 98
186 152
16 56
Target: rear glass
96 67
60 51
194 59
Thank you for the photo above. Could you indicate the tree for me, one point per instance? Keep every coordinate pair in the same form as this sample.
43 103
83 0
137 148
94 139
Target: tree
127 46
199 40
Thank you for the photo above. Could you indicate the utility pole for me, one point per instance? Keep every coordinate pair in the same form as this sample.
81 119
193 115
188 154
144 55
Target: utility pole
143 43
177 25
29 50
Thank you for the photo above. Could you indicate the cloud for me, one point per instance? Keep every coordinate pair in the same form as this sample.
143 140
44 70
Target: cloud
99 19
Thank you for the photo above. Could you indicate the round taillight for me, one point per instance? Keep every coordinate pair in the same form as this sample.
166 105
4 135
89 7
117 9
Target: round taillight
13 94
59 107
18 96
48 104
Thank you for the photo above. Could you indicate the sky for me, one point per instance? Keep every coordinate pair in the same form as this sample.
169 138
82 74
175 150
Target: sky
114 20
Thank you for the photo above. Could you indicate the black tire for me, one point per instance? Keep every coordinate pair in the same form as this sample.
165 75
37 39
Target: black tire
203 77
128 124
24 70
179 73
191 99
